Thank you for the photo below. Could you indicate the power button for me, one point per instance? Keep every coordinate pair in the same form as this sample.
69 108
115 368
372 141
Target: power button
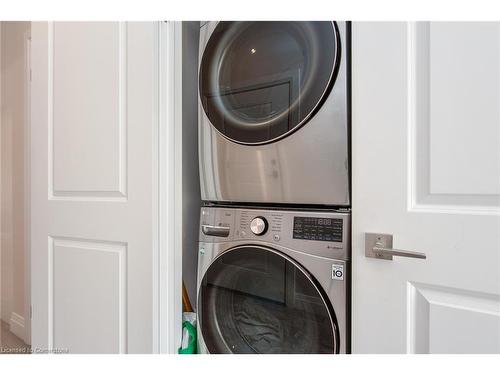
276 237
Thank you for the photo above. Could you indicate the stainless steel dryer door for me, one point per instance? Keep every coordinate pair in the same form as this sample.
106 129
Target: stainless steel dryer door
254 299
260 81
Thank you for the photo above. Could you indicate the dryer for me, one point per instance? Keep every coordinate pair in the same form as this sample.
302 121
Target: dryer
274 112
273 281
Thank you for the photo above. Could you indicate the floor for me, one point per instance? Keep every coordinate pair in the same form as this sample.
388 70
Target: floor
10 343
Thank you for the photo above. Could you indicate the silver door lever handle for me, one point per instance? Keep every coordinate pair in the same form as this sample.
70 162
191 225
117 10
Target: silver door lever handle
399 253
379 246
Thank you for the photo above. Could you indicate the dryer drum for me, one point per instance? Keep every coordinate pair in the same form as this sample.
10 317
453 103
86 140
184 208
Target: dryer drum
257 300
260 81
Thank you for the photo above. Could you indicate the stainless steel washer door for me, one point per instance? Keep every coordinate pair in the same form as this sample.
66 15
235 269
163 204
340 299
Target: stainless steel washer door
260 81
254 299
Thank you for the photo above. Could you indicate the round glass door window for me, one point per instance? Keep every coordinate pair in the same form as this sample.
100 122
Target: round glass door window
257 300
260 81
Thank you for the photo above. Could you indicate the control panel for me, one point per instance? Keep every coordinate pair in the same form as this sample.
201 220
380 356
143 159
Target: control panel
317 228
325 233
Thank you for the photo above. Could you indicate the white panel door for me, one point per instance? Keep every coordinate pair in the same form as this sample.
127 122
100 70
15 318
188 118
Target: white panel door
426 168
94 120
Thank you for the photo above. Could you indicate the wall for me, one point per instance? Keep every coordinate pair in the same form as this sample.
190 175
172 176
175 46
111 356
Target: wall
12 134
191 199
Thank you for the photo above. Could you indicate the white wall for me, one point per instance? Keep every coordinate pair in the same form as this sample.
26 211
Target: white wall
13 117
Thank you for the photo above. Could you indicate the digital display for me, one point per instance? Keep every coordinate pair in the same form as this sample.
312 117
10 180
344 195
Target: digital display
317 229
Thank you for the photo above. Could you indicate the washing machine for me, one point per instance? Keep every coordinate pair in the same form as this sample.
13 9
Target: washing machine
273 281
274 112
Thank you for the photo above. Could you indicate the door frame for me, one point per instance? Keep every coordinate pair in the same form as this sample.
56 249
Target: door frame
27 187
169 216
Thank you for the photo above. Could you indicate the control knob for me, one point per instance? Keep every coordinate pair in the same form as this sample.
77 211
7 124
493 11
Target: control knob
258 226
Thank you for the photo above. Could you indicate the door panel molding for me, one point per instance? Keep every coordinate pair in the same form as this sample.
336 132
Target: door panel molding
91 183
64 246
425 137
438 316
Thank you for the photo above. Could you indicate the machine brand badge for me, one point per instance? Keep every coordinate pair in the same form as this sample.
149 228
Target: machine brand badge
337 272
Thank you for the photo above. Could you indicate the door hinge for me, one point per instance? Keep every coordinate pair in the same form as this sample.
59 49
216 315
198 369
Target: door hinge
30 75
31 312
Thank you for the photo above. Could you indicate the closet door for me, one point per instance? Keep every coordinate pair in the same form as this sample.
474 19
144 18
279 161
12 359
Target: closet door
426 167
94 118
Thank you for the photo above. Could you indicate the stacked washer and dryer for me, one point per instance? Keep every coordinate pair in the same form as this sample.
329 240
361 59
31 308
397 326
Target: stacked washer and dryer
274 247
